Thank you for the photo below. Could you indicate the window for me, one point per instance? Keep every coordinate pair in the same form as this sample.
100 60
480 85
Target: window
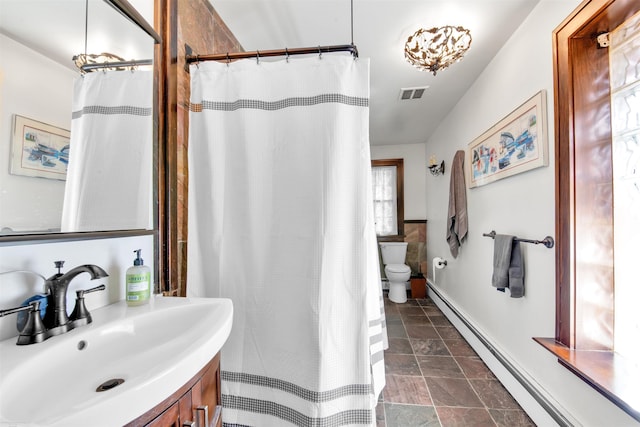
388 196
588 258
624 56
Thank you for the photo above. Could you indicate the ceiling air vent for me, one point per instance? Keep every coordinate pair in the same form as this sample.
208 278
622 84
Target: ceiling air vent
412 92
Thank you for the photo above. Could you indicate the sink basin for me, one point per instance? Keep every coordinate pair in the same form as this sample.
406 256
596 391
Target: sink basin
155 349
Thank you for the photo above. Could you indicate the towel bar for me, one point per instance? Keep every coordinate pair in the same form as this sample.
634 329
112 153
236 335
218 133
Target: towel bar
547 241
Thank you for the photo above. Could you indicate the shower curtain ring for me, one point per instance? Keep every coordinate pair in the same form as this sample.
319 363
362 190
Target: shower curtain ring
257 57
286 51
228 59
319 52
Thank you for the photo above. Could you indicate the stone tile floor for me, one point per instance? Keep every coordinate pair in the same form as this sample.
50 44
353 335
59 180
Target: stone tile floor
434 378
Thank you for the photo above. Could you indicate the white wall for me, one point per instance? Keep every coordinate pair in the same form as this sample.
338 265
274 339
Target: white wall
415 175
522 205
113 255
35 87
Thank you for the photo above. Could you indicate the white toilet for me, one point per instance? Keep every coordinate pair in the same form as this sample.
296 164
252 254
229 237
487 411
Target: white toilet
397 272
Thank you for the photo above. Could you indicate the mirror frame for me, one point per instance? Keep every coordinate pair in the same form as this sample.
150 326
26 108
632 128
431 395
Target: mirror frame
128 11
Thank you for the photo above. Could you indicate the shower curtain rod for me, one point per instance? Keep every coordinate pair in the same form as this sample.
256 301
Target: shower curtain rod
277 52
133 63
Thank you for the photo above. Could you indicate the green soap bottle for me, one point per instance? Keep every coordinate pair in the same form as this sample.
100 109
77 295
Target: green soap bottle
138 282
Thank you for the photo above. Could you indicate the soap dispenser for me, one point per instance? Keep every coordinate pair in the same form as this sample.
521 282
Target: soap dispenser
138 282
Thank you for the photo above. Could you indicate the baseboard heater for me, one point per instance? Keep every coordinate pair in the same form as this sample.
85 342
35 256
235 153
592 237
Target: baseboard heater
524 382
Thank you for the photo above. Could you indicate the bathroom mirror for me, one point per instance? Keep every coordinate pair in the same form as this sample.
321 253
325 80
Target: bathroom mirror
38 39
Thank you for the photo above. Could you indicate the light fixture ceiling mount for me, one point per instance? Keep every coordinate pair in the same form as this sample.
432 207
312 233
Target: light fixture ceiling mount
437 48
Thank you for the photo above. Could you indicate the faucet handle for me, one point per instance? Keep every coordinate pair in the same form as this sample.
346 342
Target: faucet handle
59 265
80 293
34 330
80 315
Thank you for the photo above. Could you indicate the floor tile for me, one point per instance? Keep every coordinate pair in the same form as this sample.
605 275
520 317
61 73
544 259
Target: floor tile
406 389
395 329
474 368
416 320
421 331
439 366
401 364
411 311
390 307
390 317
452 392
448 333
464 417
399 346
439 320
380 418
511 418
459 348
493 394
429 347
410 415
434 377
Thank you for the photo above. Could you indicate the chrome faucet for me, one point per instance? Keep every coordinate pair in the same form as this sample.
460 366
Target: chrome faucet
56 319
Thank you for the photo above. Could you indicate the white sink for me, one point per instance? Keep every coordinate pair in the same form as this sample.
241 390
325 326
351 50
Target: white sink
154 348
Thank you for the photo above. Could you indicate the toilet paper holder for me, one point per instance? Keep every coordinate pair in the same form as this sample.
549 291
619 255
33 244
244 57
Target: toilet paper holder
439 263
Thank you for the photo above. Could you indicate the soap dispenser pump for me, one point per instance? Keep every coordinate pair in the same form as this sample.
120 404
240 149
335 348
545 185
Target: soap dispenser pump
138 278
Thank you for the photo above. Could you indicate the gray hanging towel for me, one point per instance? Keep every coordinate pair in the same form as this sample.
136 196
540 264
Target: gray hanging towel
457 224
516 271
502 246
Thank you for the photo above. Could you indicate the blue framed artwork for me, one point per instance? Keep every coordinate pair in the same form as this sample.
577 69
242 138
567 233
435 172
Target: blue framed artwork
515 144
38 149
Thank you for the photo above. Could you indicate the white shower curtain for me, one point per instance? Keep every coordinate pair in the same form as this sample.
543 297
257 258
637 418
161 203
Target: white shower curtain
281 222
109 177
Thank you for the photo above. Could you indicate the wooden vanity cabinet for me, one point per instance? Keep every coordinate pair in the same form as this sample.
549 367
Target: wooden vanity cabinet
188 403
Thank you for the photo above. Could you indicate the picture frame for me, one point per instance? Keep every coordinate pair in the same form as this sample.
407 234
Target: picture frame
515 144
38 149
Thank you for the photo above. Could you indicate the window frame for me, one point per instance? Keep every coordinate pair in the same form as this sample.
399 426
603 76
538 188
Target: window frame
399 164
582 128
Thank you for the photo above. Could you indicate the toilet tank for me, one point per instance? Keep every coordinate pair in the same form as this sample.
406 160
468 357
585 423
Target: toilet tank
393 252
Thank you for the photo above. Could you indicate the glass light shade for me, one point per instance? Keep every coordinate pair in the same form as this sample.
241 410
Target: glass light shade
437 48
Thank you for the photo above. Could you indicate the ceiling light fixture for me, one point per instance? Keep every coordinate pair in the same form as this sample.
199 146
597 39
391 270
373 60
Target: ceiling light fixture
437 48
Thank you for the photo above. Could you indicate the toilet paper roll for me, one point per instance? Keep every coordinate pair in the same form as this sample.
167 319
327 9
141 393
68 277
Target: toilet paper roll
438 263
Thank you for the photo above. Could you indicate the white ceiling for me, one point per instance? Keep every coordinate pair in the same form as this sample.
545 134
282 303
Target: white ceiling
380 30
56 28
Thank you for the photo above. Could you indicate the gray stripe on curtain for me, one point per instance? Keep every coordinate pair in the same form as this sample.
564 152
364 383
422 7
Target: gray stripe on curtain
353 416
105 111
299 101
288 387
377 357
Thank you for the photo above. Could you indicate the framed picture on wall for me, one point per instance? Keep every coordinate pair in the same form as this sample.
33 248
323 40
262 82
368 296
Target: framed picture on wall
515 144
38 149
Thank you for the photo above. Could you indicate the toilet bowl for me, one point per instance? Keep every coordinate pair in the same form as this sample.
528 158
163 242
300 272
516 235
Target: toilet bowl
397 272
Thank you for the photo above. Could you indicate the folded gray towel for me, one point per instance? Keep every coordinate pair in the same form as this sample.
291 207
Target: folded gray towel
516 271
501 260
